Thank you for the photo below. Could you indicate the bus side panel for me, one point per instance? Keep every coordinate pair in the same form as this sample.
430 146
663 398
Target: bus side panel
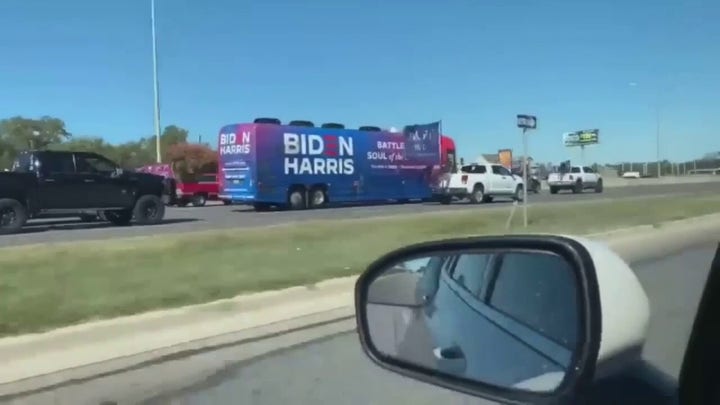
272 184
237 163
396 172
301 156
353 166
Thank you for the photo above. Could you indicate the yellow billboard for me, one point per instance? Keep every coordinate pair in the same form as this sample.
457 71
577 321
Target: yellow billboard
505 158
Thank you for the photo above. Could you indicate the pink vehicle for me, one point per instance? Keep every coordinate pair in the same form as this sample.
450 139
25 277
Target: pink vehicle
186 188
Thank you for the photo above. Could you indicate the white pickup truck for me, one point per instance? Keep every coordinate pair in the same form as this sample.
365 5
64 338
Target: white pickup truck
480 182
575 178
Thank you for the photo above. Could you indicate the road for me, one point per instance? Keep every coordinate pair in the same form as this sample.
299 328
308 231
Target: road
333 370
219 216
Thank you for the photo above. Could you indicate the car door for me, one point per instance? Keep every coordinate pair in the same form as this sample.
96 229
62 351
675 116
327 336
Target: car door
461 283
533 297
502 180
59 186
590 177
105 187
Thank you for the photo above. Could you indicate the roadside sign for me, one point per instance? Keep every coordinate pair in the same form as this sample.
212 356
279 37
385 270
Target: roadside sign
582 138
526 121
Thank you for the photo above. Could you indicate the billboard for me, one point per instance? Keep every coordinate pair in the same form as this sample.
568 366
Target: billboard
525 121
505 158
582 138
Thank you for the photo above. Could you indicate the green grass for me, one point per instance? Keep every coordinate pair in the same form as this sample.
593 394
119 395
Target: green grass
43 287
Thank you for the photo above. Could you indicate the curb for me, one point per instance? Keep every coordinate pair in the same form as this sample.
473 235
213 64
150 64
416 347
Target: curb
81 352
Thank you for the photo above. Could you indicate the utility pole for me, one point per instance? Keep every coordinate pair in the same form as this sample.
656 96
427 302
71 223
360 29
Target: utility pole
156 85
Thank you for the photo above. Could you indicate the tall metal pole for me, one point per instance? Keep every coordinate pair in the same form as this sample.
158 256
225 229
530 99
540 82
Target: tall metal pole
156 85
657 137
525 177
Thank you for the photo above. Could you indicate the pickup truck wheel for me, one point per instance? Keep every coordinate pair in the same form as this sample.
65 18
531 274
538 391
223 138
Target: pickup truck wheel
599 186
553 190
12 216
199 200
149 210
119 217
578 188
478 195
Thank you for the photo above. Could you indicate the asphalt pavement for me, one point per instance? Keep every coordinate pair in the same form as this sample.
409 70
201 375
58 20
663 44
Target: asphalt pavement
223 217
333 370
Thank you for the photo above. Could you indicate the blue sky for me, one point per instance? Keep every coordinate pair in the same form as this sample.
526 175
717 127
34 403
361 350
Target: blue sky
475 64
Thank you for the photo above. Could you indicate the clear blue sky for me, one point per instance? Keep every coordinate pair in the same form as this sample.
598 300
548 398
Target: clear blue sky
474 64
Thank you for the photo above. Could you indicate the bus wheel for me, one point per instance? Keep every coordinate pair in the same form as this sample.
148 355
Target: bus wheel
318 198
296 199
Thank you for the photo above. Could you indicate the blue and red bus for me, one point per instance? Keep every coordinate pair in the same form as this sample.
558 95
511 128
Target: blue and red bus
301 166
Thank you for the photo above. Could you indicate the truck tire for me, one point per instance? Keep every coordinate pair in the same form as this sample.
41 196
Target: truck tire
296 199
553 190
199 200
478 194
599 186
149 210
578 187
119 217
12 216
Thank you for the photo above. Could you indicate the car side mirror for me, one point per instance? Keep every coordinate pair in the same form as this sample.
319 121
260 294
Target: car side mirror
514 318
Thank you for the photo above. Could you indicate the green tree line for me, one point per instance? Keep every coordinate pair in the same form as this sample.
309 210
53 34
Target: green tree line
49 133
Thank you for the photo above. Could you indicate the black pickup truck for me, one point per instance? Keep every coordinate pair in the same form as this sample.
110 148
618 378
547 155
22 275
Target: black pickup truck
77 183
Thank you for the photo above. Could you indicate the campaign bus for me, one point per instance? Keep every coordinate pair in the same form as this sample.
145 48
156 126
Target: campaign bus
300 166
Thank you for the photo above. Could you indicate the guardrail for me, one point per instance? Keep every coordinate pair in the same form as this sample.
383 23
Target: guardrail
695 172
625 182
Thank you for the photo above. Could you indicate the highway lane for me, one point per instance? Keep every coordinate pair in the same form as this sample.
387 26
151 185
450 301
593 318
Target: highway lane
333 370
219 216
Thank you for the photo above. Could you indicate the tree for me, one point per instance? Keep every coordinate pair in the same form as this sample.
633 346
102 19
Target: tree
19 133
190 160
171 135
26 133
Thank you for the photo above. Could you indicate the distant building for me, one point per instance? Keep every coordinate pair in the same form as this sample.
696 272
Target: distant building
488 158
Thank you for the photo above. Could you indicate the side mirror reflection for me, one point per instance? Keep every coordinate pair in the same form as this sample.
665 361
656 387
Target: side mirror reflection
510 318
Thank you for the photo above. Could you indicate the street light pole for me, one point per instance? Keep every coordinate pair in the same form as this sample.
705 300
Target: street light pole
156 85
657 137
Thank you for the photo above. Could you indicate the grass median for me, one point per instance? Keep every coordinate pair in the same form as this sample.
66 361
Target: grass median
44 287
